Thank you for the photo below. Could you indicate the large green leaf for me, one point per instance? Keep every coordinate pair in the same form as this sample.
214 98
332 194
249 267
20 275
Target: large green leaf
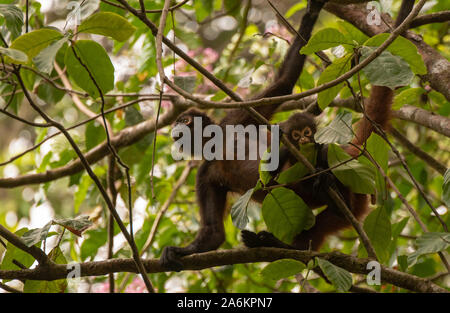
339 131
351 32
97 61
94 239
410 96
396 231
108 24
14 253
403 48
324 39
16 55
298 170
286 214
14 18
264 176
187 83
379 150
339 277
239 210
43 286
333 71
34 42
282 269
359 177
33 236
429 243
45 59
387 69
378 228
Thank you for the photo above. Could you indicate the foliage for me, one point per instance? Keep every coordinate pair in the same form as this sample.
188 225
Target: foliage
110 58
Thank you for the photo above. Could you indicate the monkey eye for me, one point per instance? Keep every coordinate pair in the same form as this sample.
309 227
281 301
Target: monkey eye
296 134
307 132
185 120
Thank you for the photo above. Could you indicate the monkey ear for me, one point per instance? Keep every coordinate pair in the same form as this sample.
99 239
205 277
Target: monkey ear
284 127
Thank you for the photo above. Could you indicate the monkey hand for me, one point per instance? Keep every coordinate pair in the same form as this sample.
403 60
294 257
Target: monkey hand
170 258
323 181
262 239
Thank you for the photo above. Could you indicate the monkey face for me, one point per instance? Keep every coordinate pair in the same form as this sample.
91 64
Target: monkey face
188 131
302 136
181 122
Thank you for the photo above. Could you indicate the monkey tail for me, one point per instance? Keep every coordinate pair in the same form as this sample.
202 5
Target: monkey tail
378 110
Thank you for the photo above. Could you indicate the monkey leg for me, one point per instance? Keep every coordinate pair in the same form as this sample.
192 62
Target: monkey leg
330 221
211 198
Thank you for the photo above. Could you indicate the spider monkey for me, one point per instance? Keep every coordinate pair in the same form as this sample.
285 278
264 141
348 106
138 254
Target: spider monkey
216 178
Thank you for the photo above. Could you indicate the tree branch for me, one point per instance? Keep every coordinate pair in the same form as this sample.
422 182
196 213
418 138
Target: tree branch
228 257
438 66
436 17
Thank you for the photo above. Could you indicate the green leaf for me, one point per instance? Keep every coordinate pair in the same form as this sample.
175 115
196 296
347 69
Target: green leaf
429 243
14 54
187 83
286 214
45 59
379 150
387 69
33 236
108 24
75 225
403 48
351 32
298 170
324 39
402 261
42 286
339 277
410 96
264 176
14 253
94 134
339 131
396 230
34 42
97 61
446 188
14 18
378 228
94 239
239 210
282 269
333 71
359 177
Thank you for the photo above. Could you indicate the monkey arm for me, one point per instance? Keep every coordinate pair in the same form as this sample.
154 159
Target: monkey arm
293 63
211 198
287 74
284 157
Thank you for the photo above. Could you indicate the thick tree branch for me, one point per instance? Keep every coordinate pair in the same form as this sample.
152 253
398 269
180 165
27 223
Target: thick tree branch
438 166
438 66
124 138
227 257
436 17
422 117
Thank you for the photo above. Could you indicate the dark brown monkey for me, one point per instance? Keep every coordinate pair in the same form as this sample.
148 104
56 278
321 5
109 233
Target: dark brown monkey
216 178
